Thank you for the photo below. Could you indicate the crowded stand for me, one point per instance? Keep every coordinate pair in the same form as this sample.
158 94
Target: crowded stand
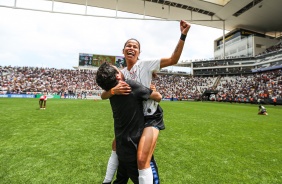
251 88
79 83
33 80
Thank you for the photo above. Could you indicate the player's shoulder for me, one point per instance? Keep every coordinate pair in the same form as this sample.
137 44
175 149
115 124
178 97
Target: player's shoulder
135 85
144 61
132 82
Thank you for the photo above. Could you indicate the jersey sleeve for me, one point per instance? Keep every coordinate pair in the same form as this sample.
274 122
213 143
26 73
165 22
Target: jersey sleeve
138 90
151 65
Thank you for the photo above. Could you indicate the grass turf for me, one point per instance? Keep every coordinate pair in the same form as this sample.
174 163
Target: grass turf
204 142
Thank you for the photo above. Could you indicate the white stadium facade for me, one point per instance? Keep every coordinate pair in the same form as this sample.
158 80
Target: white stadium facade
253 26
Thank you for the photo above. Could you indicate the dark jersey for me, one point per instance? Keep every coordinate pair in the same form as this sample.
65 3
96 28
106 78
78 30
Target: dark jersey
129 119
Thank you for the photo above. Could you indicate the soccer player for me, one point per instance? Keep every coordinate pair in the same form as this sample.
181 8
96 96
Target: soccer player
141 71
42 101
128 119
262 110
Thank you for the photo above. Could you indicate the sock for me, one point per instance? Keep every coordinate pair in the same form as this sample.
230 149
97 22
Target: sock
154 168
112 167
145 176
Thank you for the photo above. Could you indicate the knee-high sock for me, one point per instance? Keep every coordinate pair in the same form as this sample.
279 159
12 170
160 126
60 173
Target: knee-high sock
153 164
145 176
111 168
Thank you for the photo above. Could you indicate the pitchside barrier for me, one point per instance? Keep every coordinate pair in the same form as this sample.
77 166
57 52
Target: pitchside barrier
27 96
267 101
94 97
17 96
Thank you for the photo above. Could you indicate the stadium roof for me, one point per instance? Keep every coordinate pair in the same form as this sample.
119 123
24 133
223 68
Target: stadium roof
263 16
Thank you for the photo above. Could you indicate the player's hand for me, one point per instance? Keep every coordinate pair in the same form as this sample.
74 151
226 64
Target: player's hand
153 87
122 88
184 27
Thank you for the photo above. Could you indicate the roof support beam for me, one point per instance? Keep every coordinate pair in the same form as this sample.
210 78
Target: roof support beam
52 5
223 22
117 17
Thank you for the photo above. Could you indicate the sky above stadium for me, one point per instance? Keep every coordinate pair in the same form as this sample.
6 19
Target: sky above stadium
42 39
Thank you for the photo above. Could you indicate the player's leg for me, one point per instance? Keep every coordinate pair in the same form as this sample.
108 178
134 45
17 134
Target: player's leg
44 104
41 103
122 174
132 171
145 151
112 164
146 146
153 124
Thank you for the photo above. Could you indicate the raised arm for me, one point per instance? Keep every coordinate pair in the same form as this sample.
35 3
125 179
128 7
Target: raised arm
122 88
184 27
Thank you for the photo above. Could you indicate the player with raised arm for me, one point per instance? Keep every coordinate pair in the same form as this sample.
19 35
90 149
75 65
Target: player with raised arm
141 71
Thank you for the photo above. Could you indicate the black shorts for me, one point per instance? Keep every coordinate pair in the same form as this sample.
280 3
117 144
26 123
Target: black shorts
155 120
125 171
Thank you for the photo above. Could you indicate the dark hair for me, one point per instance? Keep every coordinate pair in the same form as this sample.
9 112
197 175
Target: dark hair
106 76
134 40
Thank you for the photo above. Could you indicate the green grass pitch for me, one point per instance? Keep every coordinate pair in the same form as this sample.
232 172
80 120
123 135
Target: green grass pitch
204 142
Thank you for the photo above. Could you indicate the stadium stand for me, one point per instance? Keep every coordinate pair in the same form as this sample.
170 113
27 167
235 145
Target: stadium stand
63 82
76 83
250 79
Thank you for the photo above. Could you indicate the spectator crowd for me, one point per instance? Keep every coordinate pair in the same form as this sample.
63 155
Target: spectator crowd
33 80
78 83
